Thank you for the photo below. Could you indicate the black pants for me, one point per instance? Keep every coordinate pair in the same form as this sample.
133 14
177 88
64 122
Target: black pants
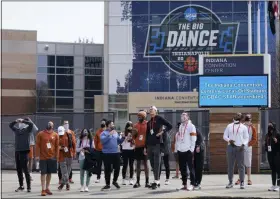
274 163
165 161
186 158
198 166
99 163
60 174
128 158
21 165
111 159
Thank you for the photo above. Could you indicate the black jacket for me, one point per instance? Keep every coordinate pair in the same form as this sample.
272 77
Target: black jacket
156 124
22 136
270 142
199 141
90 163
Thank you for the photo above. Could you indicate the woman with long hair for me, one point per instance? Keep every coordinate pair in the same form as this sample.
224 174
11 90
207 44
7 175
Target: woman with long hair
128 153
272 147
84 145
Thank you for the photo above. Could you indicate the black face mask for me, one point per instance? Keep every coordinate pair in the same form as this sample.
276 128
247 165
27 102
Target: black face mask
247 119
270 129
140 119
102 125
49 128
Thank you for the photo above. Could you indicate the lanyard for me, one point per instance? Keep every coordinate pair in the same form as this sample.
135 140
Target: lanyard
237 129
181 134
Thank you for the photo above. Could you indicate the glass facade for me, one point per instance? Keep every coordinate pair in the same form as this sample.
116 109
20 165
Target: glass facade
56 78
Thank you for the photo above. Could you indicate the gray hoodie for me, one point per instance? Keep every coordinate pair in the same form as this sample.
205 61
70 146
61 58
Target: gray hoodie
33 133
22 134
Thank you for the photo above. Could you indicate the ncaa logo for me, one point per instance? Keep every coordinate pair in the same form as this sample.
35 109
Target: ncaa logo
190 14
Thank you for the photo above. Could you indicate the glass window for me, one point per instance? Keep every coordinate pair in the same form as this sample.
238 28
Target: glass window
64 82
51 60
45 104
44 92
93 71
117 98
92 93
117 106
44 80
64 103
67 61
93 62
50 70
63 93
42 60
89 103
93 83
67 71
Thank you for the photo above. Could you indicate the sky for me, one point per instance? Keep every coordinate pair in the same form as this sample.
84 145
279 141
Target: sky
56 21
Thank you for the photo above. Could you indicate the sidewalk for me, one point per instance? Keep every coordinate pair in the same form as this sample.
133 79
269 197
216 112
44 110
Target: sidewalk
213 186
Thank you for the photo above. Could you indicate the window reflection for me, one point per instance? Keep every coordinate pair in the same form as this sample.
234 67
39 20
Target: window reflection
64 103
45 80
67 61
42 60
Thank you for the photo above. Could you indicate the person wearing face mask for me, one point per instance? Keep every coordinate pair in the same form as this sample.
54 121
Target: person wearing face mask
272 147
66 143
153 142
22 130
248 149
185 146
128 146
237 136
98 148
47 150
110 140
85 145
140 154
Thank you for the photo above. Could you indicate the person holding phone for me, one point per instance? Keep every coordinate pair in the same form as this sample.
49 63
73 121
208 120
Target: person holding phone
272 147
85 145
47 152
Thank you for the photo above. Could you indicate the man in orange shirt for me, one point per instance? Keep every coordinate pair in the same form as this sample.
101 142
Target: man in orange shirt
253 138
66 146
98 148
47 151
140 154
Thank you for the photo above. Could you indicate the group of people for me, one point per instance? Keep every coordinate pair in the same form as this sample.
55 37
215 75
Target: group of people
145 140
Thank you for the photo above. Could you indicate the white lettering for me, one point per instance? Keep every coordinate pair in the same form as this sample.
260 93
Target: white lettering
213 38
201 41
172 37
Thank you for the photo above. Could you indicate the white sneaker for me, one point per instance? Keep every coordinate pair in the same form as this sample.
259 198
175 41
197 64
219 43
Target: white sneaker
82 189
131 182
271 188
86 189
182 187
124 182
97 181
167 182
190 188
276 188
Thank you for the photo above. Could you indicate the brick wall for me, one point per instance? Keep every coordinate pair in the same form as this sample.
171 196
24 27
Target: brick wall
218 161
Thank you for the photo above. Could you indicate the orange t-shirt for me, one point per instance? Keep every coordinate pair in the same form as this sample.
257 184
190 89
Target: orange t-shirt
97 140
64 142
47 145
141 135
254 139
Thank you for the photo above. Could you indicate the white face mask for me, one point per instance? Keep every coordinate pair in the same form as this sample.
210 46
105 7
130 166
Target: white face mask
184 118
21 125
66 126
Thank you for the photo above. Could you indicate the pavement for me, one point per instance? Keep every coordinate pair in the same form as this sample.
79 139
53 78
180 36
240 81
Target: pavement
213 186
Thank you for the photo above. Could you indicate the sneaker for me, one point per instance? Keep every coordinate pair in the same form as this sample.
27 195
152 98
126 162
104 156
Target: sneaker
106 188
60 187
124 182
242 185
48 192
116 185
190 188
137 185
86 189
175 177
237 182
197 187
131 182
43 193
21 188
82 189
68 187
182 187
276 189
97 181
230 185
250 182
167 182
28 190
154 186
71 181
271 188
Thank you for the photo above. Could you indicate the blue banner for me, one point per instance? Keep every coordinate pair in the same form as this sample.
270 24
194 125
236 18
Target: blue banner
230 91
243 65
